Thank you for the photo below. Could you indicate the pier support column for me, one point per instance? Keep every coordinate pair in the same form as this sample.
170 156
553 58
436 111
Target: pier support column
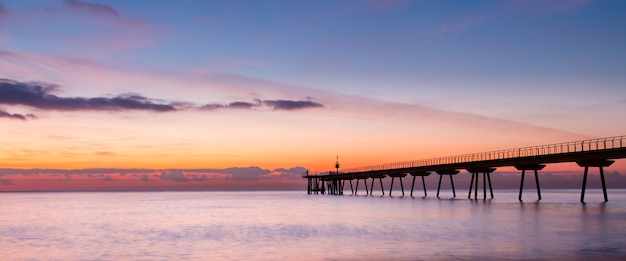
486 171
356 190
524 168
336 186
448 172
316 186
421 174
351 189
329 187
594 163
400 176
380 179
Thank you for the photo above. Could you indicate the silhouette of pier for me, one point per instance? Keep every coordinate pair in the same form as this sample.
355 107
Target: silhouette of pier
593 153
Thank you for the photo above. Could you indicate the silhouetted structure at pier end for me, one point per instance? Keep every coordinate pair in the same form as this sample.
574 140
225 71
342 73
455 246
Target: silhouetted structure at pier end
594 153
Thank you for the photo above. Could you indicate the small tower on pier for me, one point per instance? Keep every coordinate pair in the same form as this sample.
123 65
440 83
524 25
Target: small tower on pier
337 165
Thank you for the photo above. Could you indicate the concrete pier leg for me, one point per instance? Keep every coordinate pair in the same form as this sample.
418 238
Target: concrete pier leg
439 187
594 163
351 187
486 171
524 168
538 187
412 186
484 186
424 185
490 187
582 194
469 195
381 186
452 183
521 185
450 173
606 198
476 186
401 186
391 188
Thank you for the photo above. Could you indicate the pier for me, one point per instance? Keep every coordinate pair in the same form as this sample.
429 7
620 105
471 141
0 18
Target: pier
593 153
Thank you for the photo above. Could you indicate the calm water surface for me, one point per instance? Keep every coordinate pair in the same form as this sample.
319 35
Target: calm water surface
296 226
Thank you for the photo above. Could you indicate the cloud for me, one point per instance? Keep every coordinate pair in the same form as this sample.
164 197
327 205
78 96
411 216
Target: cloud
103 10
174 175
4 114
40 95
4 16
99 9
4 13
386 4
241 105
202 177
266 104
5 182
17 64
292 173
249 173
291 105
145 177
541 6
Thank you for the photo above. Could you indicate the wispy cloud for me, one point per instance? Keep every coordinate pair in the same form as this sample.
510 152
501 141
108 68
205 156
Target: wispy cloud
4 16
386 4
231 85
100 9
540 6
4 13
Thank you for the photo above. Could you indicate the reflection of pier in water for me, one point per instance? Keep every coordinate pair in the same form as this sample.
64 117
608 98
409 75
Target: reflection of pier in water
595 153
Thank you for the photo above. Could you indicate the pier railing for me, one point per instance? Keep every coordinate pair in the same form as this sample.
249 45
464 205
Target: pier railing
616 142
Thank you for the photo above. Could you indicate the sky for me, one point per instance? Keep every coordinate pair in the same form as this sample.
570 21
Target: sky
250 94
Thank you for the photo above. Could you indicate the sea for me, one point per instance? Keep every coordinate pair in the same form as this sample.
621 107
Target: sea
292 225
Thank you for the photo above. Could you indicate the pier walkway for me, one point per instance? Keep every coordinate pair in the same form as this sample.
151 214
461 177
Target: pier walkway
591 153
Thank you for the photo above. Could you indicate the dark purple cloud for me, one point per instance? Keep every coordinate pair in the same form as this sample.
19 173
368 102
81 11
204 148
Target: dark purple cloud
291 105
41 96
267 104
4 114
241 105
95 8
